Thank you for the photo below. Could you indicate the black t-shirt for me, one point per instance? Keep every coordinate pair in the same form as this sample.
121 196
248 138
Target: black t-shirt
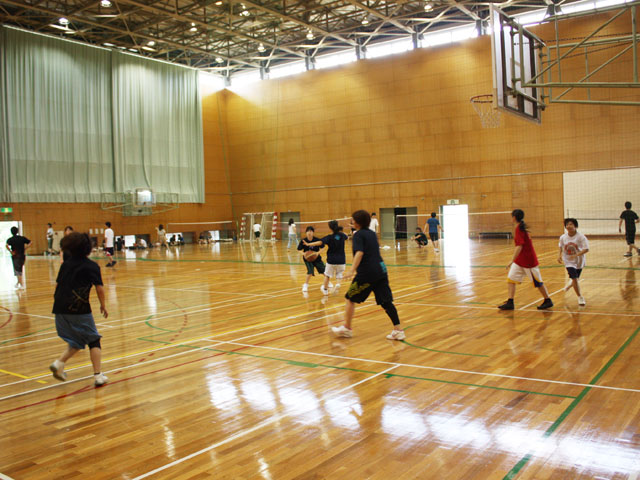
371 266
629 217
421 237
306 248
75 279
17 243
335 254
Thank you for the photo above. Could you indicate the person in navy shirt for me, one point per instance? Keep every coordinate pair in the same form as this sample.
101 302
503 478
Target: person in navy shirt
370 276
433 226
336 258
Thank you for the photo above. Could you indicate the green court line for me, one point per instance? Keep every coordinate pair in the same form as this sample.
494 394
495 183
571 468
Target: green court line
298 363
524 460
25 335
433 349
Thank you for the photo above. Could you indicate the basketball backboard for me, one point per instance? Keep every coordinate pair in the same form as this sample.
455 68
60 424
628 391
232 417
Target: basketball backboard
515 60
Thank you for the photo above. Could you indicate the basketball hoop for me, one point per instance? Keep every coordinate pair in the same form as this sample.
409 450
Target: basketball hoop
489 115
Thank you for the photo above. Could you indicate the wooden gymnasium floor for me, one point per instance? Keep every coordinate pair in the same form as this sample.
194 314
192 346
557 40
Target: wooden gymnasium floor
220 368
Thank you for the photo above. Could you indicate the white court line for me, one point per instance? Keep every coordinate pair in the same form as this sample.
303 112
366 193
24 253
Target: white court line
583 312
5 477
536 301
257 427
441 369
188 341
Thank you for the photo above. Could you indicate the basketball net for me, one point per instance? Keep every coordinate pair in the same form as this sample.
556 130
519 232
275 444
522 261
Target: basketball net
489 115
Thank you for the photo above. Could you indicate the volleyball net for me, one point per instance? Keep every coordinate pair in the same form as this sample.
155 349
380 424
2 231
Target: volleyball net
479 224
321 227
597 222
202 232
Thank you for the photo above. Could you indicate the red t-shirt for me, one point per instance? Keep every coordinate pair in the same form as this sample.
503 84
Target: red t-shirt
527 257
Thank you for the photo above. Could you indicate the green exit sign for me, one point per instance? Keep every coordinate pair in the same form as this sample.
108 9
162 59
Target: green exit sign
6 209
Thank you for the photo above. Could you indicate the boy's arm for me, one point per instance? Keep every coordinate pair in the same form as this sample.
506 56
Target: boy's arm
103 308
560 255
620 226
313 244
357 258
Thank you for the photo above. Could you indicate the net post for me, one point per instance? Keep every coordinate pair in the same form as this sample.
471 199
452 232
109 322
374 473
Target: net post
274 227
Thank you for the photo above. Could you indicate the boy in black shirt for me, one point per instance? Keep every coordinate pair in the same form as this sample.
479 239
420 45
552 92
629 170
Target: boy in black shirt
420 238
17 245
310 264
74 321
370 276
630 219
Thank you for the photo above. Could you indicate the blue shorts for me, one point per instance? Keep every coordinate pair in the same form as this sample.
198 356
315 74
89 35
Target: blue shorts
77 330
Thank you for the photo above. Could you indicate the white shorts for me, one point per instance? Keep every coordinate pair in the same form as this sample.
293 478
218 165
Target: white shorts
332 270
517 274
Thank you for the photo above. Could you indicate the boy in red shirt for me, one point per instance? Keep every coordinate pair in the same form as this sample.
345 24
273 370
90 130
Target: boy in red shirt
524 264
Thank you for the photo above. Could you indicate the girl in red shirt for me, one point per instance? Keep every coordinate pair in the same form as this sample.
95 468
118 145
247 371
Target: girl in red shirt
524 264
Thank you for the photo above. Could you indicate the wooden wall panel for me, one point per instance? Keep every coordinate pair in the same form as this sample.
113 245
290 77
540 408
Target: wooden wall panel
408 118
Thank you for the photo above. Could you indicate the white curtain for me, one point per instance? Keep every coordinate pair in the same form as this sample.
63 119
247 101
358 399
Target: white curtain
77 122
57 116
157 128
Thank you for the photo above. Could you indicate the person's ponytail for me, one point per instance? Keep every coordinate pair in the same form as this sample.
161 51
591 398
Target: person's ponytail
519 216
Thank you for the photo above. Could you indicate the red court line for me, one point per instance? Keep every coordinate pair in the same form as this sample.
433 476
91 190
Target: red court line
10 316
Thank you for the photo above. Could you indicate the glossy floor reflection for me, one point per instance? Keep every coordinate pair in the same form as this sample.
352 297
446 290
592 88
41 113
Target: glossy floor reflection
221 368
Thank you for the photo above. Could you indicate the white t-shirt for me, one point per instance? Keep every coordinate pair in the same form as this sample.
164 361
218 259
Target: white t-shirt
570 246
257 227
49 232
108 238
143 243
374 225
292 229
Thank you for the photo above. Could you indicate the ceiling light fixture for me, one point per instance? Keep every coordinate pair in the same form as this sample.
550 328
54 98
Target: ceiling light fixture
261 48
63 21
151 43
219 2
309 35
105 3
148 49
219 60
133 50
428 7
365 21
107 44
193 27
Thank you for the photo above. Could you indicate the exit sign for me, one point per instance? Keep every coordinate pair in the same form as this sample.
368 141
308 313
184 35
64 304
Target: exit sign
6 209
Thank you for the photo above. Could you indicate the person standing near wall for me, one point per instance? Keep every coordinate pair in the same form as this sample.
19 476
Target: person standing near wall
108 244
630 218
373 226
49 239
18 246
293 234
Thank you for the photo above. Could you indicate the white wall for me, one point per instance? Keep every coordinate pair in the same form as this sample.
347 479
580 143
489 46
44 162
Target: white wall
596 198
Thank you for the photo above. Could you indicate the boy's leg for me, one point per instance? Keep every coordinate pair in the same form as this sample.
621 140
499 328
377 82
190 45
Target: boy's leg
349 310
511 290
69 352
57 367
96 359
543 290
575 283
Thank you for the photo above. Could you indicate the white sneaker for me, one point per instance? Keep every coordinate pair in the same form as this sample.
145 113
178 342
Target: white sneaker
324 290
396 335
342 331
581 301
305 287
57 368
330 285
436 250
100 379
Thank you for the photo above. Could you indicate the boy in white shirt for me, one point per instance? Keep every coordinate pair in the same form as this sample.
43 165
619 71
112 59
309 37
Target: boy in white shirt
374 223
573 247
256 230
108 244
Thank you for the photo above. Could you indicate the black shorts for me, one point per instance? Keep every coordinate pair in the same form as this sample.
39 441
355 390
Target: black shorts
18 263
574 272
434 236
360 289
317 263
422 241
108 250
257 234
631 237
